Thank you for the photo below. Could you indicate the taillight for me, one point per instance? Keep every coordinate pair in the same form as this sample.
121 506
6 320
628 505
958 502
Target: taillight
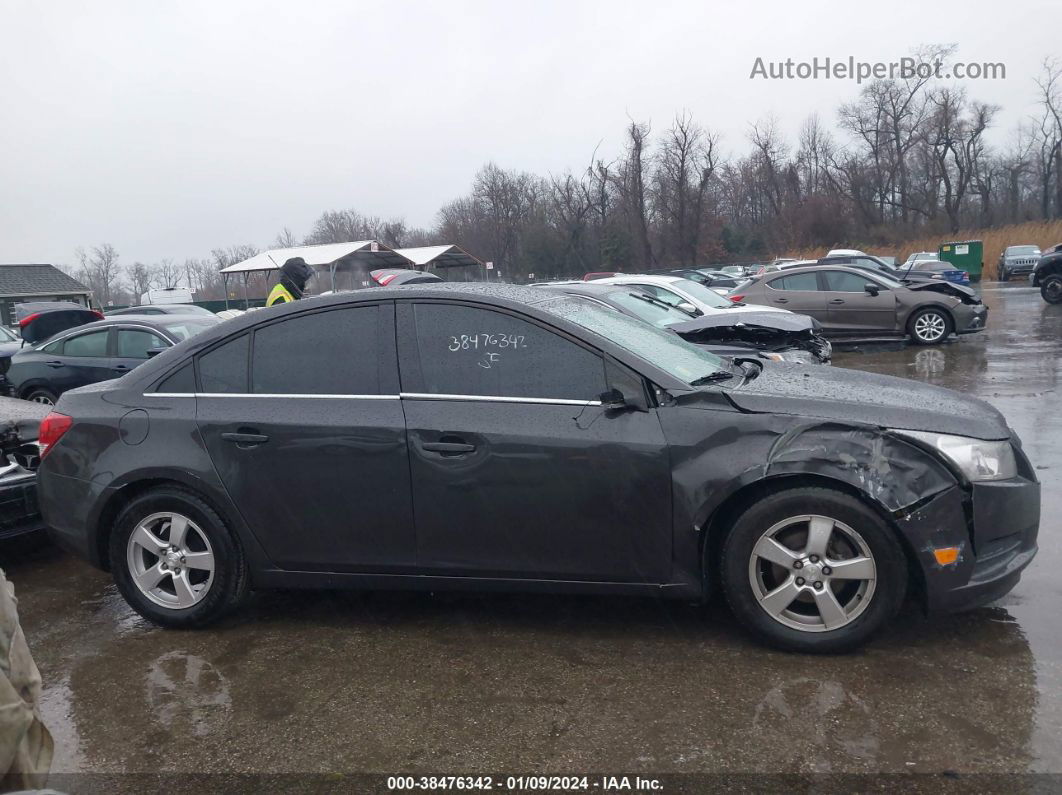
52 429
736 298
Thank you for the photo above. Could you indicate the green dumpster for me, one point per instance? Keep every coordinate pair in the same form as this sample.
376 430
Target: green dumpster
967 255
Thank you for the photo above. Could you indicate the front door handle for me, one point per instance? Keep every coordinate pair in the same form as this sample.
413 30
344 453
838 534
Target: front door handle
122 368
54 364
781 300
448 448
243 439
836 300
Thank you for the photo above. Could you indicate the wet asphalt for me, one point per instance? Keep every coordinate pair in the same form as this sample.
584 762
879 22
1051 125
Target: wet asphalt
421 683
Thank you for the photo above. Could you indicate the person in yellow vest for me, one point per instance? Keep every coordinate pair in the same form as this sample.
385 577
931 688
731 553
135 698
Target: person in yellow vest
294 274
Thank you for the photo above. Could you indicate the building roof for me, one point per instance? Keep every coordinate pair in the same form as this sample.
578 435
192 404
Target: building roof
439 256
37 279
370 251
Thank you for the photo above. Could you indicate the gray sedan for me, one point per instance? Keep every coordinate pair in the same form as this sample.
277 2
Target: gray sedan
850 302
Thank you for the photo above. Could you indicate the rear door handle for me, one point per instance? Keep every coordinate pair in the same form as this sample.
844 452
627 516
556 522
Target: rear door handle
781 300
54 364
245 439
836 300
448 448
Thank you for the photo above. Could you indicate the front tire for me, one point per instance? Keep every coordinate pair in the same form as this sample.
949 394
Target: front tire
1051 289
174 559
930 326
813 570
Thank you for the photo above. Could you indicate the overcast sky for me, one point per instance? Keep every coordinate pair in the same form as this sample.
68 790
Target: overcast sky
168 129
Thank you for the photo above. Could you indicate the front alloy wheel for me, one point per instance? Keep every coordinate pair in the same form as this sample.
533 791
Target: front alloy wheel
812 573
1051 289
812 569
930 326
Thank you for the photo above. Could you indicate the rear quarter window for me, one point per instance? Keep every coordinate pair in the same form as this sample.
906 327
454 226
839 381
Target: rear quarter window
224 368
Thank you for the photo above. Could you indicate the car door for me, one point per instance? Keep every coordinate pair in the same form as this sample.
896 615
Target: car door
518 471
302 419
132 346
797 292
81 359
852 310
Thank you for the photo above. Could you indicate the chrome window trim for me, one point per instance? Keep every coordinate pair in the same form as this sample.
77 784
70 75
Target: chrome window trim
300 396
498 399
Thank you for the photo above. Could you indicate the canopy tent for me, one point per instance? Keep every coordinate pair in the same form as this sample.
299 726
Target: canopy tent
369 254
439 256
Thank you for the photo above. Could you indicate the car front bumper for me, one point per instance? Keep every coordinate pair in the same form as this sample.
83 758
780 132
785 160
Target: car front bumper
994 525
970 318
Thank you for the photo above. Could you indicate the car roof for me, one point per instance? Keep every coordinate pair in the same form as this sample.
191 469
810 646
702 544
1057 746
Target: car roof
645 278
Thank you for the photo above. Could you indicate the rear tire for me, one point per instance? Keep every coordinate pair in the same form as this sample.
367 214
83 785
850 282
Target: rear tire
1051 289
41 395
829 609
174 559
930 326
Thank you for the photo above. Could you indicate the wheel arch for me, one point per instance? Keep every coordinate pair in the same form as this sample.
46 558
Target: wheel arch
133 487
718 523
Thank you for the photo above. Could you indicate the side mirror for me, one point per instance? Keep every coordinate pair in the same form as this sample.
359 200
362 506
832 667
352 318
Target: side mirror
872 289
613 400
686 306
152 352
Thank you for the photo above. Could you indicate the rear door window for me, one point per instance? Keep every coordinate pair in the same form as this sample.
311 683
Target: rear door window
470 351
322 353
224 368
92 344
796 281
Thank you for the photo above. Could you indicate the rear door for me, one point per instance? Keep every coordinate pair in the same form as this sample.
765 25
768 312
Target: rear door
852 310
518 471
797 292
82 359
132 345
302 419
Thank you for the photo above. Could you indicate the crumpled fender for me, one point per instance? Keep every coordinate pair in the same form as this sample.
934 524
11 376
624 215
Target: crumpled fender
885 467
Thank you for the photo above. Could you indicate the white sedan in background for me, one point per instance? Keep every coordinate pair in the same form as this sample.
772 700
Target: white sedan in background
686 294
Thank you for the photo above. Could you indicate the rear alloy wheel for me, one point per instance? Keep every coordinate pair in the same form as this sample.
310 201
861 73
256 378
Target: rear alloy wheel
813 570
174 560
43 396
929 326
1051 289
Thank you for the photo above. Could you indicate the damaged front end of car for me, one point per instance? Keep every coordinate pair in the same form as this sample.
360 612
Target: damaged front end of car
773 335
19 458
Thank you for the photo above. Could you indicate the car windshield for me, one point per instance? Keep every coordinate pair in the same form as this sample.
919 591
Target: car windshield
933 265
185 327
190 309
649 309
1017 251
667 351
6 335
705 295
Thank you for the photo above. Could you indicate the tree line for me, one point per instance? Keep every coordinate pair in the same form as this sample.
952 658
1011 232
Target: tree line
906 157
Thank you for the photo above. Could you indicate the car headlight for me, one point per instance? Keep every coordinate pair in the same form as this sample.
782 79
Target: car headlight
976 458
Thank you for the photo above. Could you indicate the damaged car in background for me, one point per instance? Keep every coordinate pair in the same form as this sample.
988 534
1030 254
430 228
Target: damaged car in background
778 336
853 303
19 456
496 437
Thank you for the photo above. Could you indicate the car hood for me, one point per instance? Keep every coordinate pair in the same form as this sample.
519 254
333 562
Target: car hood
22 417
837 393
963 293
727 323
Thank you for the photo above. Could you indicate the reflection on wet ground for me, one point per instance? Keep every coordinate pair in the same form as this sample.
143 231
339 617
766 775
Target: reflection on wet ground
389 683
